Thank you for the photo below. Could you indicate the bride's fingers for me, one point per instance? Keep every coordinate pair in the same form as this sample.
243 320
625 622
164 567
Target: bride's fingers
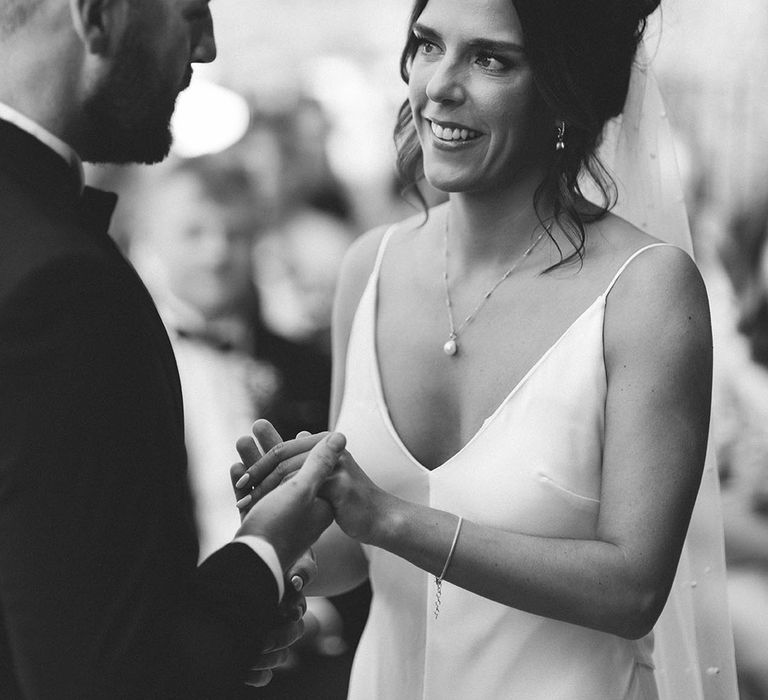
284 470
242 496
275 474
263 437
265 434
265 465
248 450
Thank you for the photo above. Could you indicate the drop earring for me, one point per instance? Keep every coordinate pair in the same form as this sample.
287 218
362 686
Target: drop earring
560 145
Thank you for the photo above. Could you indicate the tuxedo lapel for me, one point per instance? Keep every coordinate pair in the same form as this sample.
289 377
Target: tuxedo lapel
159 334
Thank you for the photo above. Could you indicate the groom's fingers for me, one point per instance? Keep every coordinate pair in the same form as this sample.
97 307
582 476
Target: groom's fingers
266 465
258 679
281 473
321 462
293 606
284 635
269 660
264 438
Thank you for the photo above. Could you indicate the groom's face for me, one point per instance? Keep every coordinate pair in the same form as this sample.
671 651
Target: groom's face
131 108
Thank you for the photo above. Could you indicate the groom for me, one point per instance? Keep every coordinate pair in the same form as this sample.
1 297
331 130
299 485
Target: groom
100 595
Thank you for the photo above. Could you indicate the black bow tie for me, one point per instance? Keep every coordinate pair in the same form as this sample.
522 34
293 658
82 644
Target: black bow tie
96 208
206 338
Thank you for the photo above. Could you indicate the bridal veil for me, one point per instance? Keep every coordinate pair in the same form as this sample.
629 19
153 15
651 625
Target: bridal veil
693 642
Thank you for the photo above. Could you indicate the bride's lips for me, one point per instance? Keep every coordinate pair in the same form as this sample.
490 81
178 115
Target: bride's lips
451 134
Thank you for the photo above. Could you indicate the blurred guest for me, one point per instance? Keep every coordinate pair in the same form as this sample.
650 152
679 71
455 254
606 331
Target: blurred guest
742 401
193 245
297 263
310 222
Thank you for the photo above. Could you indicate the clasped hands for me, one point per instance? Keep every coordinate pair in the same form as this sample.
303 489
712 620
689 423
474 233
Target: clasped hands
289 495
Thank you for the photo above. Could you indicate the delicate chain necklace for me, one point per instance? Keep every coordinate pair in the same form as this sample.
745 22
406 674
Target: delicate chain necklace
451 346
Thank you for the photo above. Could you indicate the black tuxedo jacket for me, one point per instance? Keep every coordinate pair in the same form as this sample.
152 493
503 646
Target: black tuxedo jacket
100 595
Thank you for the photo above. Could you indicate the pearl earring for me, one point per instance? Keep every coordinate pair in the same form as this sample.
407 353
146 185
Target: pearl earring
560 145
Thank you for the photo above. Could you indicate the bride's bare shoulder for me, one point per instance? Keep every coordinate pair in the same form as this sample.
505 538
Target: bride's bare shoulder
359 262
613 236
361 256
612 241
659 293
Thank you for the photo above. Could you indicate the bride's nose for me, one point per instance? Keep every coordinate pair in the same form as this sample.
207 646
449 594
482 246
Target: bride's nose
446 85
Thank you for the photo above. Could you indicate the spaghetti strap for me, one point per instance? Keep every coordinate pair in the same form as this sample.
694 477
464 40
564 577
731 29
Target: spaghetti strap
629 260
380 253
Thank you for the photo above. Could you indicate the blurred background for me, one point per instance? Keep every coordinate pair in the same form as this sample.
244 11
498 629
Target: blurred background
283 155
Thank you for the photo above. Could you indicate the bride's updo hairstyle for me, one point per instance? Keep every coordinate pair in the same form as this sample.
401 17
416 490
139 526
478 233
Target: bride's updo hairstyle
581 54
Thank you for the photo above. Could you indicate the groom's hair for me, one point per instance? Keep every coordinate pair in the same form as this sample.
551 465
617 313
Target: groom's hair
14 14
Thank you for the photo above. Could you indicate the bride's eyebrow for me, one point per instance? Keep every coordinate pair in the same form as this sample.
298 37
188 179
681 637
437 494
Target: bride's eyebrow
495 46
424 31
489 45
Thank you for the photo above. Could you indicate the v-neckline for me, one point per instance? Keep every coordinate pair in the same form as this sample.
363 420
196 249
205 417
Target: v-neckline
384 408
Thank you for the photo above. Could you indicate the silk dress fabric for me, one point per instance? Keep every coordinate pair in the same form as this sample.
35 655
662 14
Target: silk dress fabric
533 467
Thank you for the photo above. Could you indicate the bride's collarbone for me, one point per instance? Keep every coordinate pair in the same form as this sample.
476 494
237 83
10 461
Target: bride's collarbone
430 393
525 317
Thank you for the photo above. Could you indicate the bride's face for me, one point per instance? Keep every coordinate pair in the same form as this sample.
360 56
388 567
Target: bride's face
480 119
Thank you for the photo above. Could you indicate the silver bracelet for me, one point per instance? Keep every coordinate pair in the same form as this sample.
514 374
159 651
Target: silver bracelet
439 579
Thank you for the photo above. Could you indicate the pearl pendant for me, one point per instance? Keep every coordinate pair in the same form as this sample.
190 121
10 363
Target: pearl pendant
450 348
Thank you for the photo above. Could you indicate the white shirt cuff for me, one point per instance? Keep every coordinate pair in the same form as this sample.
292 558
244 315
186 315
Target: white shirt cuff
267 553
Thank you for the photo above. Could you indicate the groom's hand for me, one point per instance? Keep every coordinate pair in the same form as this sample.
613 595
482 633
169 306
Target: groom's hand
303 571
278 640
266 462
291 516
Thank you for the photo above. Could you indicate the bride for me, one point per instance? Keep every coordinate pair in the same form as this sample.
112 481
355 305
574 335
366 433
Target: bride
524 379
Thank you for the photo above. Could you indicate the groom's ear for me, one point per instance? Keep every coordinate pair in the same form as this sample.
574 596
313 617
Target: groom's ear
100 24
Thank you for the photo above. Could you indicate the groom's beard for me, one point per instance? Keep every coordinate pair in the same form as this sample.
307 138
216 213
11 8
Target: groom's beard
128 117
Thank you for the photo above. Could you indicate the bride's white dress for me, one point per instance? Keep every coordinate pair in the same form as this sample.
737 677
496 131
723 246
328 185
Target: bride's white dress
533 467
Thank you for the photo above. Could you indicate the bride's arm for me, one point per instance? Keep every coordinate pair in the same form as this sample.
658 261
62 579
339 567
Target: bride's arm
658 358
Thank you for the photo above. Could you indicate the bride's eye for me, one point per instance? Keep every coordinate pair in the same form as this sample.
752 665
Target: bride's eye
425 46
491 63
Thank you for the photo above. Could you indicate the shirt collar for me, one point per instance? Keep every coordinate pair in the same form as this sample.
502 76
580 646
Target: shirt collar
16 118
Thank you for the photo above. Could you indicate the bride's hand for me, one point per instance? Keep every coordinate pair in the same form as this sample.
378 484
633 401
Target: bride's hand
359 506
259 473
